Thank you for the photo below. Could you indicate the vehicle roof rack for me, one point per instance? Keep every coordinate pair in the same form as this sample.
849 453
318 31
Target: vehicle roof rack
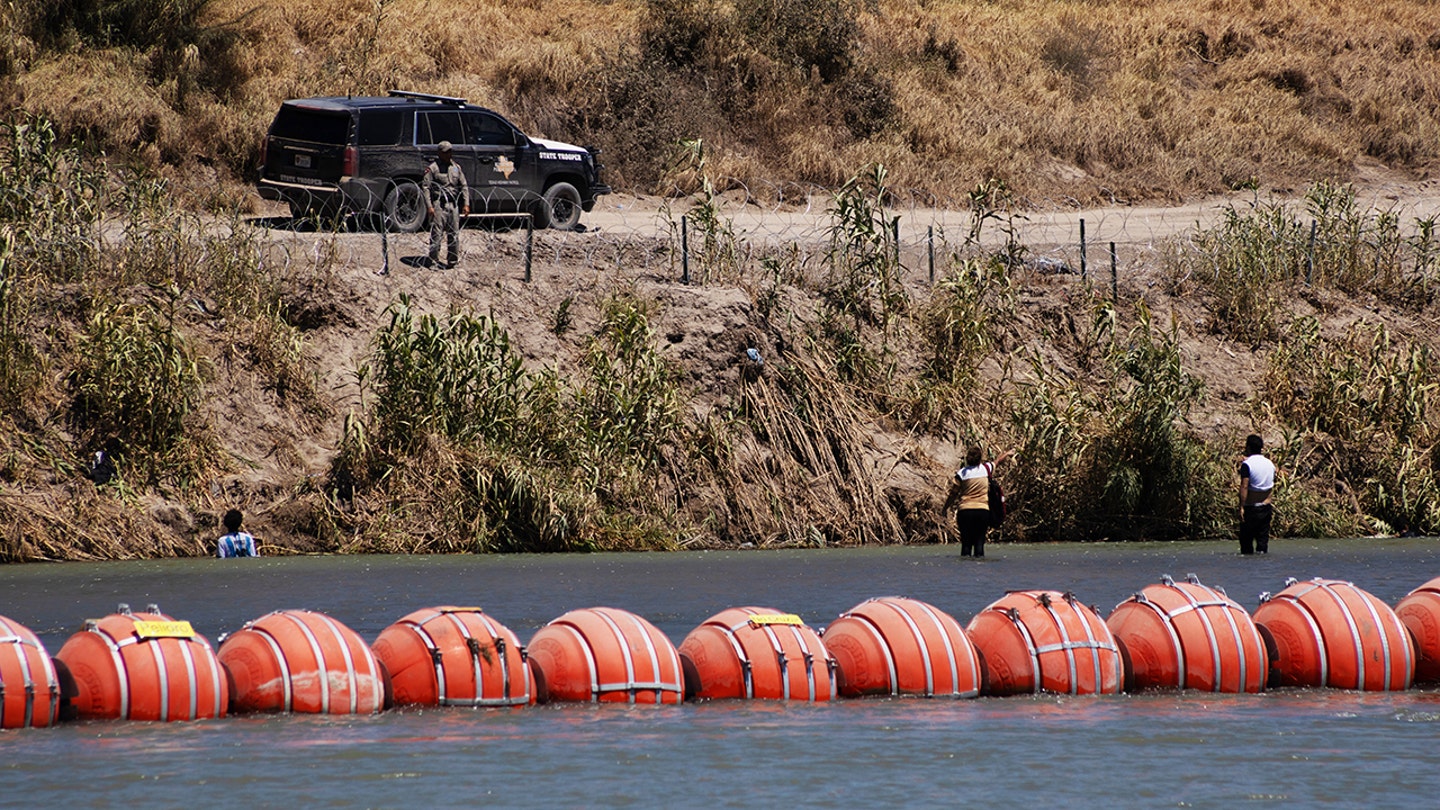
427 96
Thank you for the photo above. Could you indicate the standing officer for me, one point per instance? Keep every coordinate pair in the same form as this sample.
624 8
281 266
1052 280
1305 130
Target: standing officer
447 199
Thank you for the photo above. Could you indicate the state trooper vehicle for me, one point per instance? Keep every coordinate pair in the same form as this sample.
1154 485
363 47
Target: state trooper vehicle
366 155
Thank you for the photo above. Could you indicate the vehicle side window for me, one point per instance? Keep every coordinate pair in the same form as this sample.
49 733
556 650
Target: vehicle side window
435 127
380 128
483 129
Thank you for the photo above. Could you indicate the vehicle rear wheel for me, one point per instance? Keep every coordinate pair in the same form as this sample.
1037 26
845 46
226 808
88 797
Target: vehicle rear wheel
405 207
560 209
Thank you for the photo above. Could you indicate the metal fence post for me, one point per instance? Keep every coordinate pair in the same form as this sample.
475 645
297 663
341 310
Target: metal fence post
1310 255
1082 247
1114 277
385 245
930 240
684 250
895 233
529 244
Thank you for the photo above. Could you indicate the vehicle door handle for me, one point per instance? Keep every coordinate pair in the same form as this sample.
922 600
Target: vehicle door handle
487 158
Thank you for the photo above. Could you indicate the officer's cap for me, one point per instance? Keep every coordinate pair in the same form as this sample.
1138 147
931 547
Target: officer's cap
445 146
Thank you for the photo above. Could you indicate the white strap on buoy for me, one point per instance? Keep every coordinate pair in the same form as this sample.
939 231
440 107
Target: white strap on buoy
287 701
24 648
884 646
1315 632
507 688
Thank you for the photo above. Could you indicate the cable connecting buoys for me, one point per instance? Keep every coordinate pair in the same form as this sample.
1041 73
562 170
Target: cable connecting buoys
1188 636
455 656
898 646
1420 612
29 685
1331 633
605 655
302 661
143 666
1032 641
757 653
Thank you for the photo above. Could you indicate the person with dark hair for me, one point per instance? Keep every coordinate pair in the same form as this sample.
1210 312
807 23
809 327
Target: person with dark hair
971 489
235 543
1257 483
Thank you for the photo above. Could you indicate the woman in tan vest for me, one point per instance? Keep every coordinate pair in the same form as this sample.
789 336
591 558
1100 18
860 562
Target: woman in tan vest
971 489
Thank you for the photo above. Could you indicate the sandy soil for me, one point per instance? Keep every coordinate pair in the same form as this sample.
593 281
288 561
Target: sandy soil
705 328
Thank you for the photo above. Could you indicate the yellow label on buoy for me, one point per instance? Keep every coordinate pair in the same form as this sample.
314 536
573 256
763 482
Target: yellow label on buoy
761 619
164 630
454 609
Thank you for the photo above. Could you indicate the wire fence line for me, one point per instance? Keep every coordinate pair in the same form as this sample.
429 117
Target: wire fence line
753 233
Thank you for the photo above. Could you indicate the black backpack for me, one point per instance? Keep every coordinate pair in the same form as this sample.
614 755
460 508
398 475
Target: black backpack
997 503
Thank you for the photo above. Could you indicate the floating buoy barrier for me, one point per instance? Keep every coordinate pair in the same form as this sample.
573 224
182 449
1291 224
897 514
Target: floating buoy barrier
898 646
29 685
757 653
1331 633
606 655
1033 641
143 666
1178 635
304 662
1420 613
455 656
1188 636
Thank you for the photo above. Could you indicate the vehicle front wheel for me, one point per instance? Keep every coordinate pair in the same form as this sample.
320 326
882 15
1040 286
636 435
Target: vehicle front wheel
560 209
405 207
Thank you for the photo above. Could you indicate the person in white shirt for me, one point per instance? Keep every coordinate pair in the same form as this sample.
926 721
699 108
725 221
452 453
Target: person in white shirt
1257 484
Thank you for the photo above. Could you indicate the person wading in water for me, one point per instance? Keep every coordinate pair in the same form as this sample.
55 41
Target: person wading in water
971 489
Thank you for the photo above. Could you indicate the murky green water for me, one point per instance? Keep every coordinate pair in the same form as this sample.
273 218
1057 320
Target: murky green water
1288 747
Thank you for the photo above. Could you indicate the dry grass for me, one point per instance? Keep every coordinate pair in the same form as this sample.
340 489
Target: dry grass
1091 101
1060 102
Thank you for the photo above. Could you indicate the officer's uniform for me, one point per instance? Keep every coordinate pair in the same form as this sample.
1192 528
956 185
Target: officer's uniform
446 192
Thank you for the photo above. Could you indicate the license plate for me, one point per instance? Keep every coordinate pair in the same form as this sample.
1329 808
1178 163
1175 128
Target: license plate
303 161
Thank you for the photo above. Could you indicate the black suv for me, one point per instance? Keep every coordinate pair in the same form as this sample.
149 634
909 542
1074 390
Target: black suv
366 155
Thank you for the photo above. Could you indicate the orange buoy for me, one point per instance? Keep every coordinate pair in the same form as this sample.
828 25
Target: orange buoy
29 685
898 646
455 656
1420 613
1331 633
1188 636
1031 641
759 653
606 655
143 666
302 661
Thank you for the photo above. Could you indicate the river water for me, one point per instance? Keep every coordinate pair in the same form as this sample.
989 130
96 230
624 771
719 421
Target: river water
1281 748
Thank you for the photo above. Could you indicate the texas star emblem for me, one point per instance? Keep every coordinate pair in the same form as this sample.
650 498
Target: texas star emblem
505 166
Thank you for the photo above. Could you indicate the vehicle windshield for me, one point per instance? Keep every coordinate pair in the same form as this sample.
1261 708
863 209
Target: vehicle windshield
319 126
